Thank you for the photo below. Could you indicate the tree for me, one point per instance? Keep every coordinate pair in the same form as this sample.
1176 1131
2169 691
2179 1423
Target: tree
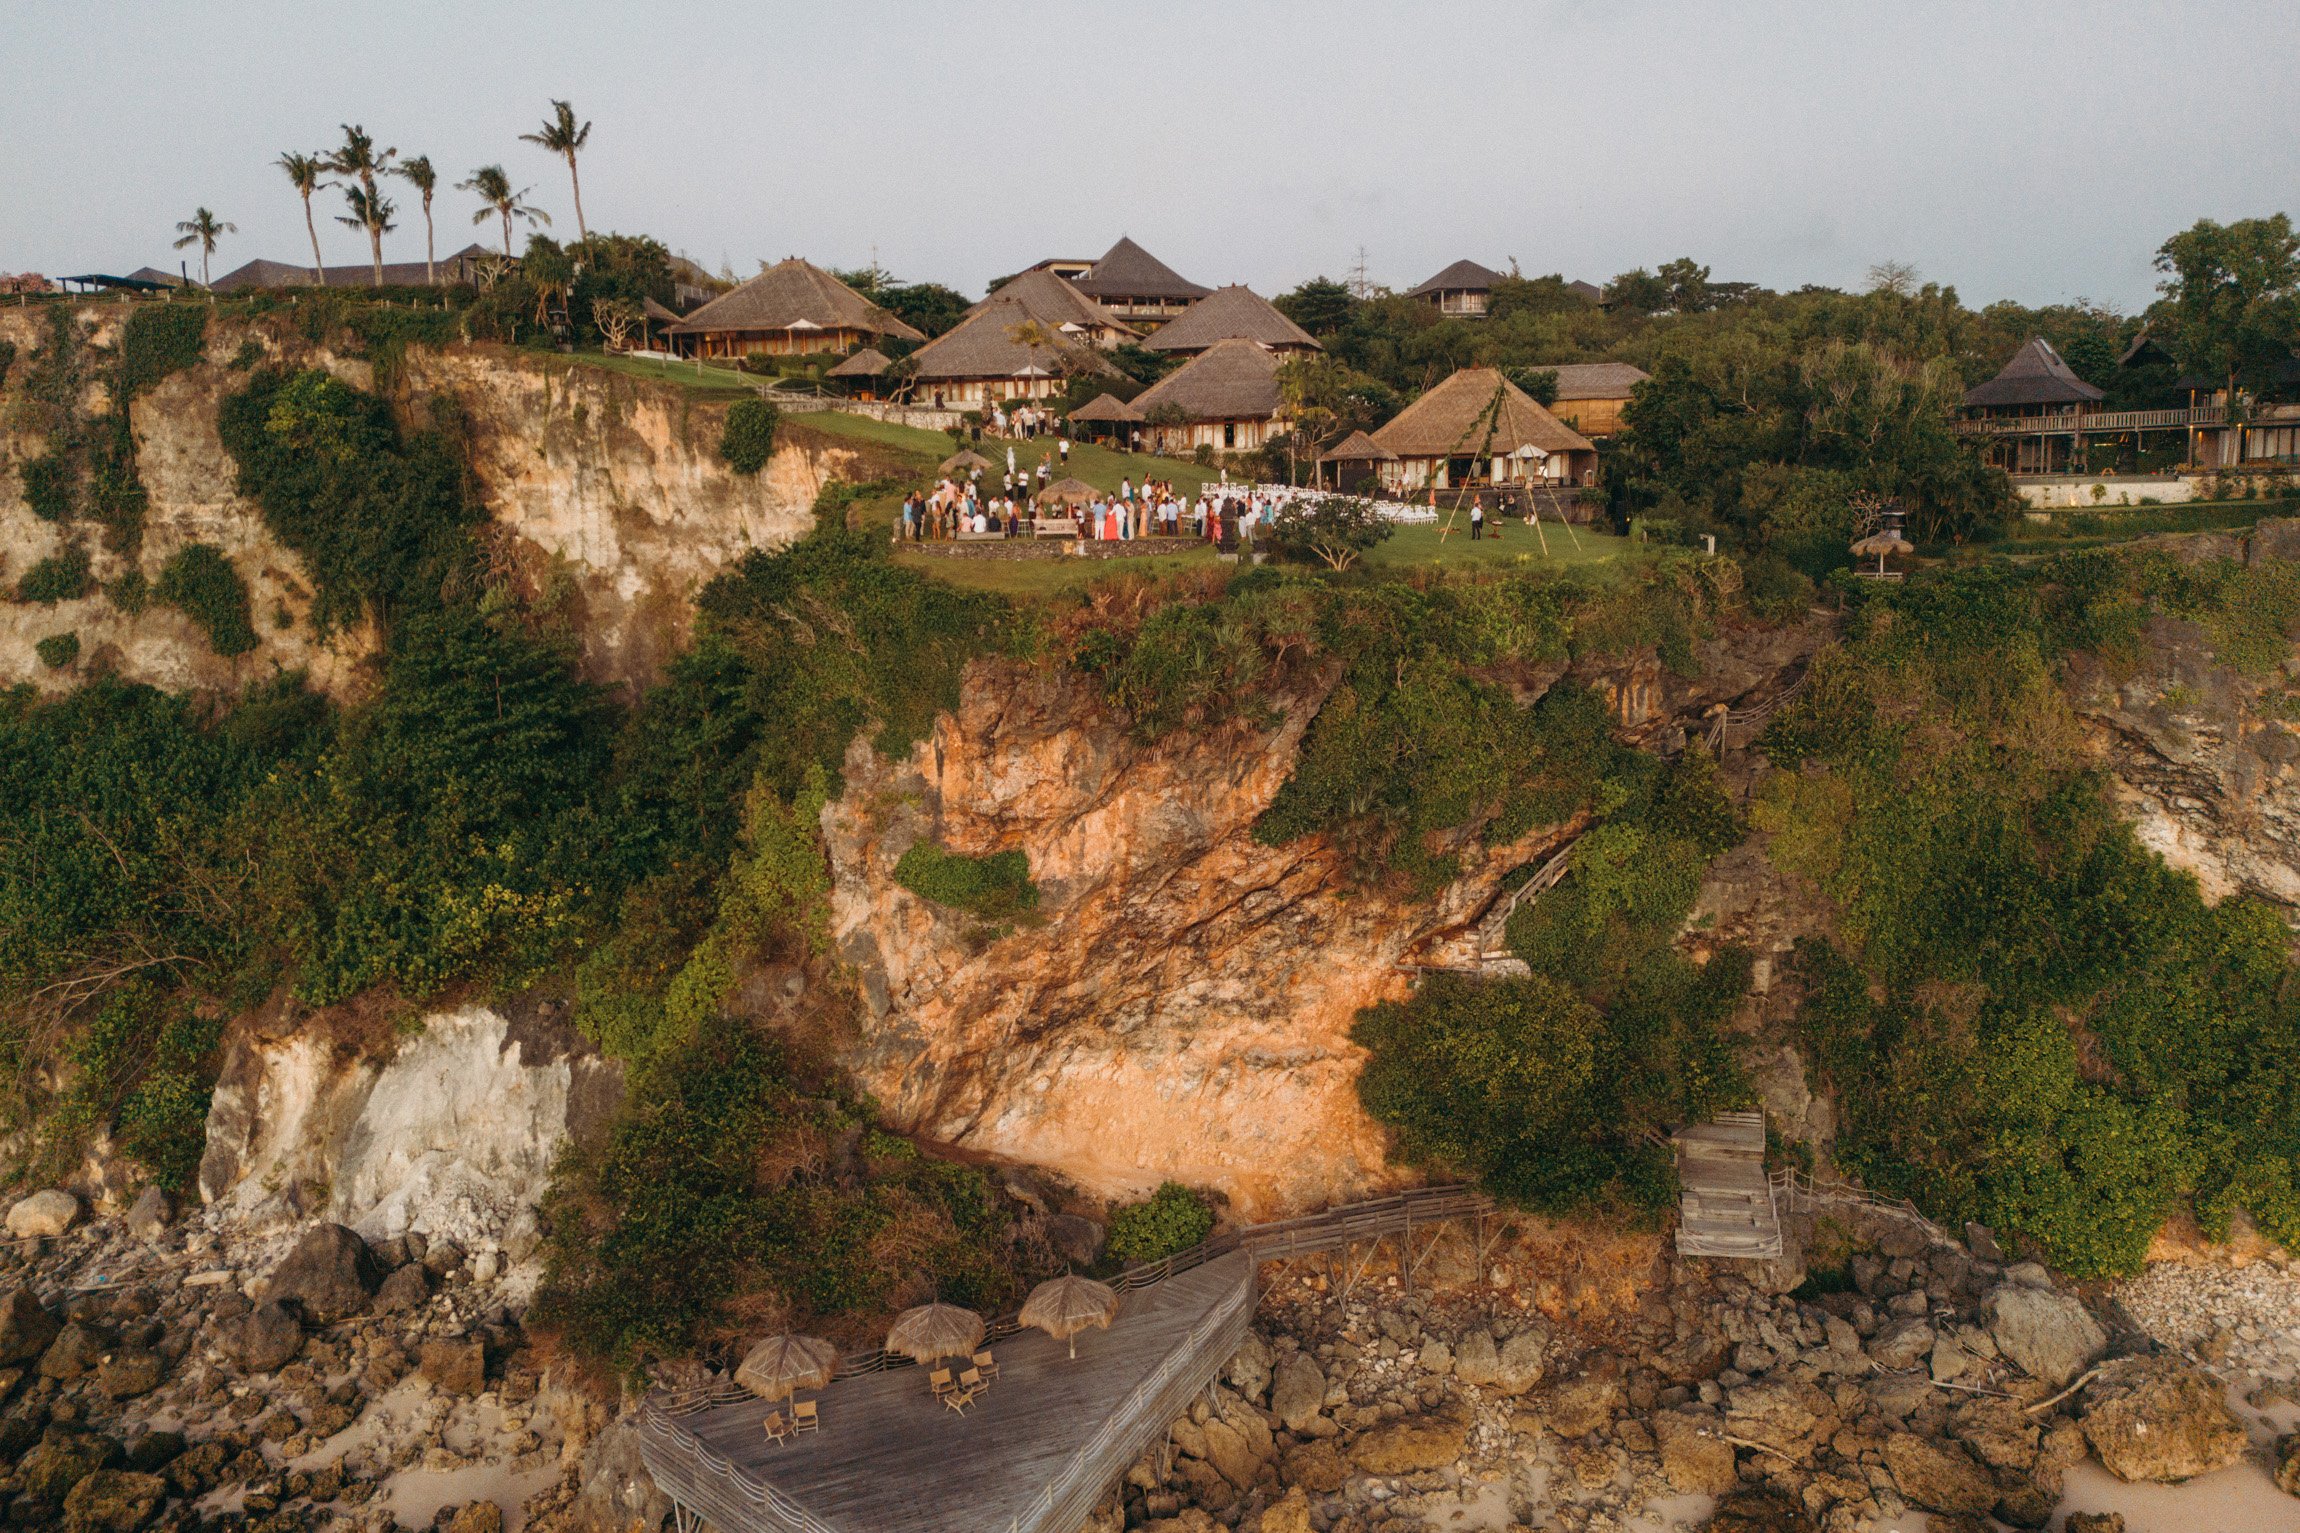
1638 291
493 187
1320 305
303 173
614 318
201 229
1688 284
373 212
1333 529
561 136
1897 278
2232 294
418 173
1537 383
359 158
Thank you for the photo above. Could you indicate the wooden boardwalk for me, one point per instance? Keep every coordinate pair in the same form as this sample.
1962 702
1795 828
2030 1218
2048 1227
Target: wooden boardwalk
1725 1206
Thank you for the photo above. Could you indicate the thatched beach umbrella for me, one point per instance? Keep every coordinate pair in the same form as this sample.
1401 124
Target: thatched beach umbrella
781 1364
932 1332
1068 492
1880 544
962 460
1064 1306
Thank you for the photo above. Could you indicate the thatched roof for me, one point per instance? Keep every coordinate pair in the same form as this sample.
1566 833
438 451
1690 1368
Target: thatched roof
2035 376
866 363
1594 380
1126 270
1230 380
795 295
456 266
1357 447
1055 302
962 460
1461 277
1064 1306
1066 492
781 1364
997 341
1450 421
934 1331
1106 407
1236 312
658 313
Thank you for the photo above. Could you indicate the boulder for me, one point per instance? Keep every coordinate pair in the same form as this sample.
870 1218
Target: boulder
1412 1443
114 1501
1902 1344
330 1275
1297 1391
1939 1478
126 1374
1583 1405
1519 1367
59 1461
2048 1336
1696 1459
477 1517
26 1327
408 1288
1317 1467
1759 1511
1785 1413
2287 1463
1436 1357
1998 1433
76 1351
1698 1358
456 1367
1229 1452
1292 1515
150 1452
2159 1418
43 1213
1249 1369
263 1340
151 1214
1475 1359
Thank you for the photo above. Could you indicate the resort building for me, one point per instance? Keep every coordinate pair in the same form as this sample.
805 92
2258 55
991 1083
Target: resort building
1235 313
1461 291
458 267
1478 428
1056 303
1592 395
793 308
1138 287
1225 398
1000 352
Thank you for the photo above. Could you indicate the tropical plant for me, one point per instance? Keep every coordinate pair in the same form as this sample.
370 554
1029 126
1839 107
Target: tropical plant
361 159
614 318
1332 529
303 173
203 229
373 212
418 173
491 186
563 137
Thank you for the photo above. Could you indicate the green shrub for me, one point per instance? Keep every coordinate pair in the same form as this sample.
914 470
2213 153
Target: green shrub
58 650
203 584
48 484
996 887
1171 1219
7 360
62 576
129 591
748 438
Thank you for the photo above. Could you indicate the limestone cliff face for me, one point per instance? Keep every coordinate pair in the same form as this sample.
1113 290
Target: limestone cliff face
1183 1006
607 492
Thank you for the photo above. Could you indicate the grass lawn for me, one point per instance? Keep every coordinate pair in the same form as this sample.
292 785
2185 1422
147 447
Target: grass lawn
2070 530
710 379
1419 544
1047 578
1098 466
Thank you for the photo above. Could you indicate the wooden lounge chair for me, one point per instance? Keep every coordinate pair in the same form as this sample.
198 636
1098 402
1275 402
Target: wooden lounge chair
939 1382
959 1399
776 1428
986 1365
805 1418
971 1381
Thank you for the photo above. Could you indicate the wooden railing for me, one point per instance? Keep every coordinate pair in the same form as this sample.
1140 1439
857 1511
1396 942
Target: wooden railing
2094 420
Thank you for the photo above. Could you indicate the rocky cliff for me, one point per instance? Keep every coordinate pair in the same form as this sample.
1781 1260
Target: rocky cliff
608 493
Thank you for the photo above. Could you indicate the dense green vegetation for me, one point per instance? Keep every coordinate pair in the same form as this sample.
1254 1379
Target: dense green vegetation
62 576
747 439
201 581
58 650
2029 1019
1171 1219
996 887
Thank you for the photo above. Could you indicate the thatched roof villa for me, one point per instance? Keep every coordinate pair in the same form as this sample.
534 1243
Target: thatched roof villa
793 308
1479 428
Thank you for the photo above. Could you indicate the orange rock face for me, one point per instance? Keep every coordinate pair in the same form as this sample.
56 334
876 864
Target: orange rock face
1182 1007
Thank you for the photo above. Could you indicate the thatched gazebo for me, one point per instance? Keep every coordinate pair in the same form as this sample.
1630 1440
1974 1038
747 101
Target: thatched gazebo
862 371
782 1364
1066 493
1064 1306
963 461
1355 459
1108 412
1880 544
932 1332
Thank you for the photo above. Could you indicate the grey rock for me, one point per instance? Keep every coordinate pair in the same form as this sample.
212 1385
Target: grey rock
1249 1369
26 1328
77 1350
1982 1242
2049 1336
151 1214
1901 1344
1476 1360
263 1340
46 1213
330 1275
126 1374
2028 1275
1520 1365
408 1288
1298 1390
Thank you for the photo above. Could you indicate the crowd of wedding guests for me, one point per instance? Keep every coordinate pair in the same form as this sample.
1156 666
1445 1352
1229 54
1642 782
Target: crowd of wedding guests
1015 507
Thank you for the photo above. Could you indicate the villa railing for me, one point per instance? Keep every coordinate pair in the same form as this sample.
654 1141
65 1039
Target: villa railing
2094 420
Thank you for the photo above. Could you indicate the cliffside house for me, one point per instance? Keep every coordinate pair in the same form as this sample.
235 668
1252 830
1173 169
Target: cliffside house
457 267
1461 291
1106 415
2034 411
1478 428
1592 395
999 352
1225 398
793 308
1138 287
863 374
1056 303
1234 313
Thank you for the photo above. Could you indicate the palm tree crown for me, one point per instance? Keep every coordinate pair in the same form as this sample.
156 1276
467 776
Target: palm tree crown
417 172
202 229
493 187
562 136
373 212
359 157
303 173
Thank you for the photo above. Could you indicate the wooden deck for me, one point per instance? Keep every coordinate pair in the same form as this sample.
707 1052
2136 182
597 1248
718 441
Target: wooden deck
1726 1205
1033 1455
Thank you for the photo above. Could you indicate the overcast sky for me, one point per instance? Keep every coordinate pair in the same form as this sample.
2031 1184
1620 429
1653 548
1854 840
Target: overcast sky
2038 152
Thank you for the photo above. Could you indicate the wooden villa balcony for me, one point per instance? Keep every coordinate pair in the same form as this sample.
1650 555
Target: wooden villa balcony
2092 421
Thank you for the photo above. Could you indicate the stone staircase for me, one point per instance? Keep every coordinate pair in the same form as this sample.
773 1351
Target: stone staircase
1726 1206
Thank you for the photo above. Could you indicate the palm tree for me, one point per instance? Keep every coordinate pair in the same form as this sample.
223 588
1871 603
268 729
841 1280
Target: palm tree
560 135
493 187
201 229
359 157
303 173
371 211
417 172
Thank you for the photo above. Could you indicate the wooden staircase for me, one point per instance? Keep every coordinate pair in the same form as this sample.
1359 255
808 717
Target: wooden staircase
1726 1206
